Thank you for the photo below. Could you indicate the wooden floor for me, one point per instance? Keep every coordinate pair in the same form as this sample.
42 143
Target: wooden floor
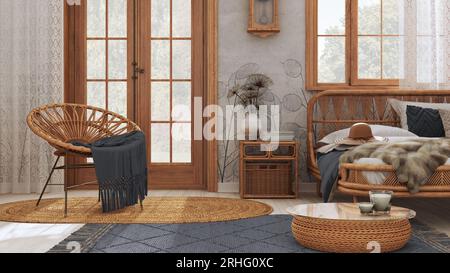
17 237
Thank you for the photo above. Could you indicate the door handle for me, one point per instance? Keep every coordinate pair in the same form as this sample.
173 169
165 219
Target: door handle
139 70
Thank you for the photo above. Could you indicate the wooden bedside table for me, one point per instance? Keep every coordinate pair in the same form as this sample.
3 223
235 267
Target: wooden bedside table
268 174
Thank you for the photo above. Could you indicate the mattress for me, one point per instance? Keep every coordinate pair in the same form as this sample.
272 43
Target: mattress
377 178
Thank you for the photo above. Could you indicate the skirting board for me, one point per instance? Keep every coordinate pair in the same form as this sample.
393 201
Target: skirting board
234 187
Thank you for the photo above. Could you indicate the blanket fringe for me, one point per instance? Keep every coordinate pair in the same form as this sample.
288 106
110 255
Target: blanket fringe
124 192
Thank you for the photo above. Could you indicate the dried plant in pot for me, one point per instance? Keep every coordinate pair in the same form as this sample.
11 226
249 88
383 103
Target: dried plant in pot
246 94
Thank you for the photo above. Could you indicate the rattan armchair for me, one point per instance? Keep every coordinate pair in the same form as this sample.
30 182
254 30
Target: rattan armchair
62 124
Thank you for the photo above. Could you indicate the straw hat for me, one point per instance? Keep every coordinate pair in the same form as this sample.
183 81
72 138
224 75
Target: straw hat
360 133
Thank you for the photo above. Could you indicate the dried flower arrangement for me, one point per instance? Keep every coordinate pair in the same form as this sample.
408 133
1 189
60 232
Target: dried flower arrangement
245 94
253 88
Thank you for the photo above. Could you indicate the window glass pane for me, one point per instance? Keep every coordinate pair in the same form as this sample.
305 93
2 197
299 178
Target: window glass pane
160 60
160 101
369 17
431 72
181 141
331 67
117 59
160 18
117 98
182 18
96 94
182 59
391 58
425 70
369 58
391 15
117 18
331 14
263 12
96 18
96 60
181 92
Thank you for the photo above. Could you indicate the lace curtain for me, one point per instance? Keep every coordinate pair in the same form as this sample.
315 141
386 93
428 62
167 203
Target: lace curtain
31 74
426 49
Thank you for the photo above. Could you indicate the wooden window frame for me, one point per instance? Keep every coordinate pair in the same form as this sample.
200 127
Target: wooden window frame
351 53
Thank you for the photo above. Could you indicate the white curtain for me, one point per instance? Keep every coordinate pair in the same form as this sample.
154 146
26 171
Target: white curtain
31 74
426 49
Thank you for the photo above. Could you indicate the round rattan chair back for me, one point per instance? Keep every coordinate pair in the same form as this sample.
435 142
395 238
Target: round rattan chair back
61 124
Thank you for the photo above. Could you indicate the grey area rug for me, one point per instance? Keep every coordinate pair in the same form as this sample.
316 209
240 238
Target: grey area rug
268 234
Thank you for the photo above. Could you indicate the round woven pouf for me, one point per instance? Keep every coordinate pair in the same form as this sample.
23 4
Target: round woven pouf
343 236
340 228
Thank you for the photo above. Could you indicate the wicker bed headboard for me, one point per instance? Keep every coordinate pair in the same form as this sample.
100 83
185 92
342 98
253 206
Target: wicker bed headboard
329 111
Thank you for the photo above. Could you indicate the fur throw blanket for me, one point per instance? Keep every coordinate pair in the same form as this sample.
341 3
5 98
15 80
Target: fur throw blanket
414 161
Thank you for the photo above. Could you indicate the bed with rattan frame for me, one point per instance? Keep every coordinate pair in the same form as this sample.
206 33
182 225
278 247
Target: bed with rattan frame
330 111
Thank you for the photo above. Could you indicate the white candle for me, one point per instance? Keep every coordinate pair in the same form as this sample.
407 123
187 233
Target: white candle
366 207
381 201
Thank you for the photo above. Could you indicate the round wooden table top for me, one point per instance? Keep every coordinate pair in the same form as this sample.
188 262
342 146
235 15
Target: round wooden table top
347 211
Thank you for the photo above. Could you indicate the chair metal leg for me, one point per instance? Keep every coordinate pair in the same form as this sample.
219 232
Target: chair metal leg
65 203
48 181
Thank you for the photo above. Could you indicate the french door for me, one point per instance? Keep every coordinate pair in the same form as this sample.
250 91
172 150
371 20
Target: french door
143 59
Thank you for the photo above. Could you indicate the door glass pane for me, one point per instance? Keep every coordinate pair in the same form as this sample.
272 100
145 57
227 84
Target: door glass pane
117 18
331 17
181 109
182 59
117 64
160 101
181 141
160 143
107 58
171 65
160 59
331 66
369 17
96 94
96 60
96 18
369 57
182 18
117 98
160 18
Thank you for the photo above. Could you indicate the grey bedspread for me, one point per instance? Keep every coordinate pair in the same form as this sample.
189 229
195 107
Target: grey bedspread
329 171
121 169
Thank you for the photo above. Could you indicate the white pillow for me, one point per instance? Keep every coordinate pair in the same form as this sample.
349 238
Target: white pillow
377 130
401 106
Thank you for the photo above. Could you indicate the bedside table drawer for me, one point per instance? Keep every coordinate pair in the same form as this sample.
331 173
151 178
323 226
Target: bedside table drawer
284 151
254 151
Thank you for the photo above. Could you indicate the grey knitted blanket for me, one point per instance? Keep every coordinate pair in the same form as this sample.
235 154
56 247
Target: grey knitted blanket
121 169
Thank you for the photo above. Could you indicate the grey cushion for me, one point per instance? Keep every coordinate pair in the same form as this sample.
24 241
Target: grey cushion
424 122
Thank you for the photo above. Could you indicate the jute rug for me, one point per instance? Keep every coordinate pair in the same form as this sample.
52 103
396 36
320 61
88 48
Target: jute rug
157 210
